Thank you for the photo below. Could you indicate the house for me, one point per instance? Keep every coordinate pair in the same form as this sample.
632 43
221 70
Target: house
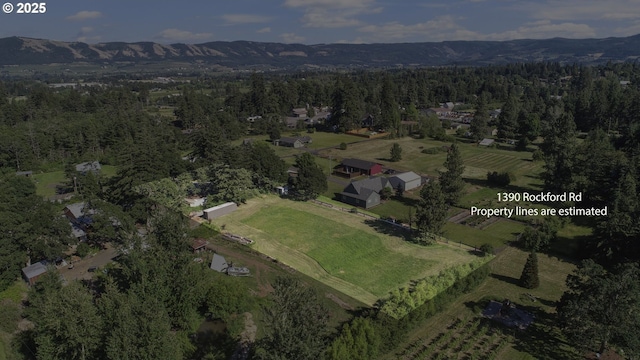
79 214
32 272
493 114
290 142
406 181
85 167
486 142
77 232
356 167
364 193
220 210
448 105
299 113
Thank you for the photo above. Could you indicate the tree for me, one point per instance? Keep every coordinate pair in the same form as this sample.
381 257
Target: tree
508 119
67 323
296 323
396 152
386 193
451 180
310 181
231 184
480 123
357 341
389 114
529 278
601 307
431 213
559 149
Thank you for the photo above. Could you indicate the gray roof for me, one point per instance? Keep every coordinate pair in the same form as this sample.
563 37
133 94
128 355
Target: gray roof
76 209
362 189
34 270
407 176
218 263
289 140
486 142
24 173
76 231
359 164
88 166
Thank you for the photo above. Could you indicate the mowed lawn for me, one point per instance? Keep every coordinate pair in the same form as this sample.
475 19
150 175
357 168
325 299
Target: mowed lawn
337 248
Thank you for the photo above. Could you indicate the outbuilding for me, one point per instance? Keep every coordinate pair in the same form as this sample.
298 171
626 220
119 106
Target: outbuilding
406 181
32 272
220 210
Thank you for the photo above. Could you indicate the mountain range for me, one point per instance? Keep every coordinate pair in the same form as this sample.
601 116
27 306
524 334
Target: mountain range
242 54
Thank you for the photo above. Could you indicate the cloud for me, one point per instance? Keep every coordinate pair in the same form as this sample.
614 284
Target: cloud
84 15
333 13
264 30
84 35
182 35
573 10
446 28
545 29
234 19
291 38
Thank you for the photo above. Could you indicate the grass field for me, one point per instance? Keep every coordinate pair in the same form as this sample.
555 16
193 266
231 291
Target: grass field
337 248
46 182
542 339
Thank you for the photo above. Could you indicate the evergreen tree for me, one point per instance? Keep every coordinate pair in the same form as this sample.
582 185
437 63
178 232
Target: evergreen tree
601 306
529 278
310 181
389 114
296 323
396 152
431 214
451 180
508 119
480 123
559 149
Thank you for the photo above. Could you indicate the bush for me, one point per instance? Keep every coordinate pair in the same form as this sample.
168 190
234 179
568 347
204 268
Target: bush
499 179
538 155
434 150
343 146
83 249
487 249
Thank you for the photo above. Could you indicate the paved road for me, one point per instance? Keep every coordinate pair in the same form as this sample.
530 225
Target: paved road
80 268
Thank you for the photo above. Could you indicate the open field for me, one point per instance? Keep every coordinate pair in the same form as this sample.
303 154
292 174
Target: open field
540 340
46 182
337 248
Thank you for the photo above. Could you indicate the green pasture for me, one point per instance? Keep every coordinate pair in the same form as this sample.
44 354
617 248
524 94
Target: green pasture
338 248
496 234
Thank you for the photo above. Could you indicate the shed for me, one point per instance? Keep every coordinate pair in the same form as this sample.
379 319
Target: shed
219 263
406 181
24 173
486 142
220 210
85 167
32 272
198 245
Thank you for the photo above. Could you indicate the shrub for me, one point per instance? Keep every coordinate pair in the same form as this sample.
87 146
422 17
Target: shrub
538 155
487 249
83 249
343 146
500 179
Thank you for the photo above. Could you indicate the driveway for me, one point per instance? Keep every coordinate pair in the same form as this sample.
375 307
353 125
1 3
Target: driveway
80 268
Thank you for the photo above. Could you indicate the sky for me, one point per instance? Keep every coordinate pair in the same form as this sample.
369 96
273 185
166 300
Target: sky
322 21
